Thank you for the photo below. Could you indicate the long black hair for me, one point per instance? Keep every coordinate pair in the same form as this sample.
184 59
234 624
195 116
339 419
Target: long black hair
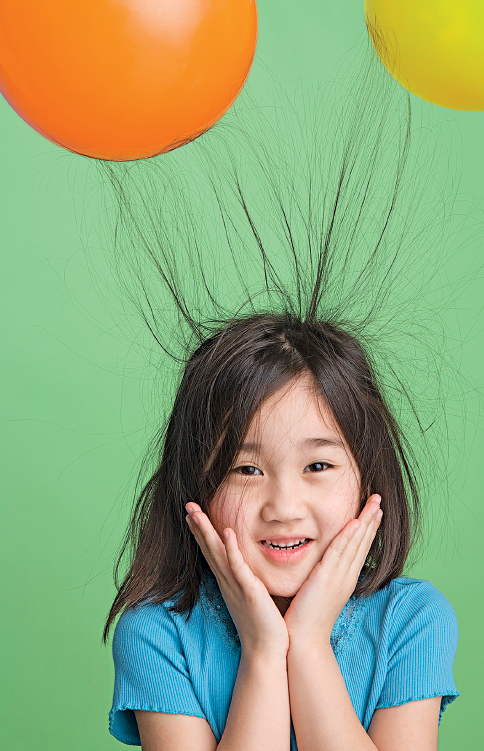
271 247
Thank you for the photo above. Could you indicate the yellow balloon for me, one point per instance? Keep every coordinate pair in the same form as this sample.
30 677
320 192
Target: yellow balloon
434 48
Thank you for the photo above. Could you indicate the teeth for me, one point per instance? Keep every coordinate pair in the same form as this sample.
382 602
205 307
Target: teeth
285 547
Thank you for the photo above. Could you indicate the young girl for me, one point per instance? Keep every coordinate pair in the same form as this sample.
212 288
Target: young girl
264 606
304 631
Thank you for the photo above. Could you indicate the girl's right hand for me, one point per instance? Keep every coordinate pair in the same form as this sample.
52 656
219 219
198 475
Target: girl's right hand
260 625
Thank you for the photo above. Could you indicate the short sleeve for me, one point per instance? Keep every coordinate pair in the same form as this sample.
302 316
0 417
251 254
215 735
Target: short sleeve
150 670
422 648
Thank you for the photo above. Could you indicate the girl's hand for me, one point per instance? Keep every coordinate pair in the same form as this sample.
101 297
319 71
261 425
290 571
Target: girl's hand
315 608
260 625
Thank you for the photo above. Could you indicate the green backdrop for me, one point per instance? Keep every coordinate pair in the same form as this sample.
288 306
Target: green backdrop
74 423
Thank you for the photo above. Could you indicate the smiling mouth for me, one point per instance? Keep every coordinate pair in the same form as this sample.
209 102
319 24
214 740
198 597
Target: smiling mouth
285 547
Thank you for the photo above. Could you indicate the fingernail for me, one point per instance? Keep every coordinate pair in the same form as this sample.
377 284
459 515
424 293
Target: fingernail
379 515
189 509
377 499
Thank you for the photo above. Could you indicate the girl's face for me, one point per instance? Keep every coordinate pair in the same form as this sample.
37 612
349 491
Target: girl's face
293 479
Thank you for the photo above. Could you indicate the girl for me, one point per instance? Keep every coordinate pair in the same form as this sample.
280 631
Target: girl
304 631
264 605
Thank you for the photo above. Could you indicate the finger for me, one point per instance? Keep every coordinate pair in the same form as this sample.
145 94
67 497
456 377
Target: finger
354 549
374 497
371 532
205 535
362 552
371 507
191 507
366 518
210 544
355 530
373 502
240 568
338 546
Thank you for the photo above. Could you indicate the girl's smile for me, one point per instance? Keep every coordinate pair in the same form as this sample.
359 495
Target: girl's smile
293 552
294 480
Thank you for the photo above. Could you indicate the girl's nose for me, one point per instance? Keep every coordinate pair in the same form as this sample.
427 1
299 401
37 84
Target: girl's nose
283 501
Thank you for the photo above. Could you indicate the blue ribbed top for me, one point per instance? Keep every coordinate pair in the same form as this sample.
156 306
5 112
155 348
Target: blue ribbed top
395 646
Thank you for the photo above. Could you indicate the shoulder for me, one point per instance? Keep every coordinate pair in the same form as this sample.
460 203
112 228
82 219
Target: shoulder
150 626
152 670
415 629
410 608
419 597
143 619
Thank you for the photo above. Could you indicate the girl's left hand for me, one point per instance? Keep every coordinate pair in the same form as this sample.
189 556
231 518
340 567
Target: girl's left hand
317 605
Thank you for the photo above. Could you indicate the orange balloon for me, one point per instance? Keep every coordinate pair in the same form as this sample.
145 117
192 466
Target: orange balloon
124 79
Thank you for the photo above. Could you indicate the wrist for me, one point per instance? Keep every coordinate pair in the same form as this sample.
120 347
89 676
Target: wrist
309 643
264 652
264 663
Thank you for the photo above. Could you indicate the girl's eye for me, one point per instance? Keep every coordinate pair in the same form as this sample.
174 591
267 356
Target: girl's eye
318 466
247 470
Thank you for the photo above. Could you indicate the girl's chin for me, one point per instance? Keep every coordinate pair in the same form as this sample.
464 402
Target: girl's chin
283 590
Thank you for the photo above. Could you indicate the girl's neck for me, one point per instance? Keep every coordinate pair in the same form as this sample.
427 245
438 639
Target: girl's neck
282 603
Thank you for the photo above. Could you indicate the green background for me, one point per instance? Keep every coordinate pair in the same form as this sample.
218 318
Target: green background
74 406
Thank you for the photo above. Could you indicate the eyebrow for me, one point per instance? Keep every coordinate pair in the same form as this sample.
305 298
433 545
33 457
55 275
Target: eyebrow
306 443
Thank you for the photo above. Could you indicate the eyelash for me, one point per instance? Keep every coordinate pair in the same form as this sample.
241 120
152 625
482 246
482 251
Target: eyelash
250 466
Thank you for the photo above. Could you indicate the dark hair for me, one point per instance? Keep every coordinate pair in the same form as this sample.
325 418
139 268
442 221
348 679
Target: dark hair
224 383
332 211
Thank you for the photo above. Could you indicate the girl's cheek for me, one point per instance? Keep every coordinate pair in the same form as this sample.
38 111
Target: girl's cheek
219 515
338 513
